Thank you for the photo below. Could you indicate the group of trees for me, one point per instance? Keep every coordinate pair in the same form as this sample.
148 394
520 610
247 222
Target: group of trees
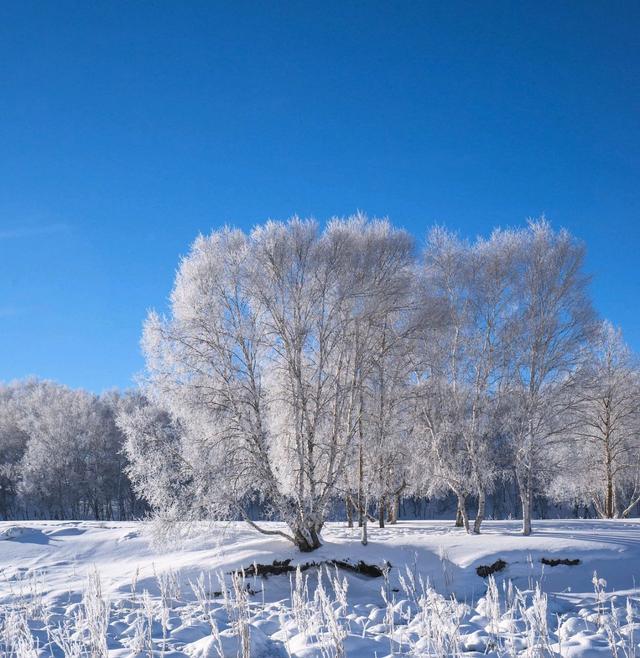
302 371
299 366
61 454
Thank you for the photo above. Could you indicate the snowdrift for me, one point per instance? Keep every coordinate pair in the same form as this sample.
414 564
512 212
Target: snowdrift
104 589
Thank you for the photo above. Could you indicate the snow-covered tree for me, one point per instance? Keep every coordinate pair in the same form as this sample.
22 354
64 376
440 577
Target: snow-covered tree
604 446
57 422
60 453
260 364
462 365
13 444
384 266
437 368
554 323
156 467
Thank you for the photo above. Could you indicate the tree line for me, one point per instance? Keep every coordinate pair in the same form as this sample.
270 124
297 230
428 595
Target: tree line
301 365
61 454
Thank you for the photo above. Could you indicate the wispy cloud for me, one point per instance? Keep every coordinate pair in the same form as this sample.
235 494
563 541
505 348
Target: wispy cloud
10 311
33 231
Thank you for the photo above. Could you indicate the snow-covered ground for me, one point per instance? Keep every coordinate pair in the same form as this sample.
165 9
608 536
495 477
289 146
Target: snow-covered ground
93 589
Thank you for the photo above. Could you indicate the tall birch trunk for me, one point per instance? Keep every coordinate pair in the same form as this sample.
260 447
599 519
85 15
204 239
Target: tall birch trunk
482 500
462 511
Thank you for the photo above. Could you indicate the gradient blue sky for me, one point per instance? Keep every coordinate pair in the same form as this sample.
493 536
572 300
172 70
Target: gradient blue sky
127 128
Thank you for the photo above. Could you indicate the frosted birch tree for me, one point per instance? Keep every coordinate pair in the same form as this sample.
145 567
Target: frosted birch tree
438 370
386 418
260 363
460 393
490 275
13 445
386 259
605 464
554 324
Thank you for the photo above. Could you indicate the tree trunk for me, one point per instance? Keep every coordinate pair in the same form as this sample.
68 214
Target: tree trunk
526 518
482 500
307 541
395 508
526 496
361 504
624 514
364 539
608 505
462 511
394 503
347 502
381 509
609 497
525 489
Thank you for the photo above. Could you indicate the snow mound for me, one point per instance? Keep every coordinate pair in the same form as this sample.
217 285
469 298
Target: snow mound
14 531
229 645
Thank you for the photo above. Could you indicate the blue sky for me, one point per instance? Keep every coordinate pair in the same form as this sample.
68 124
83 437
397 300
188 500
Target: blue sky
127 128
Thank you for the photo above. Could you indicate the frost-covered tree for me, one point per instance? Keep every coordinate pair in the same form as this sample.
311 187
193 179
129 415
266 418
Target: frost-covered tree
60 453
156 467
481 398
462 365
260 364
603 464
554 323
387 424
115 497
52 474
385 264
13 444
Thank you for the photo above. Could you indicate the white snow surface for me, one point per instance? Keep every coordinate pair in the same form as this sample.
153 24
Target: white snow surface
49 571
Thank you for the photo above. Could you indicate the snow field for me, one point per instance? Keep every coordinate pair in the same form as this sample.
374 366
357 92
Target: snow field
83 589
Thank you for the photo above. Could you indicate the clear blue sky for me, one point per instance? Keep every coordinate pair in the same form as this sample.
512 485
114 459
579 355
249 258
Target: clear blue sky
128 127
